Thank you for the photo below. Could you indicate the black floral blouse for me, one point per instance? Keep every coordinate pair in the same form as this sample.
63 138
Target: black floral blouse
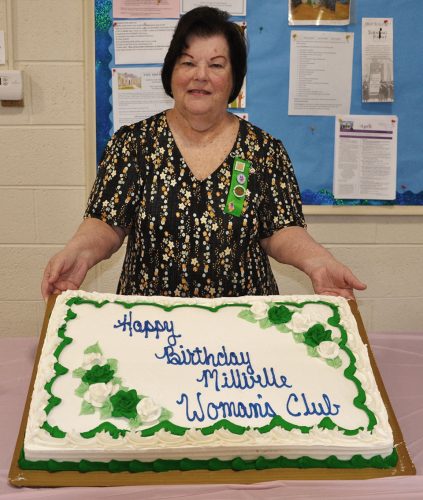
180 241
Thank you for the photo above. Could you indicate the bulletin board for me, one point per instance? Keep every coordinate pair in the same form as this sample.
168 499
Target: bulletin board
309 140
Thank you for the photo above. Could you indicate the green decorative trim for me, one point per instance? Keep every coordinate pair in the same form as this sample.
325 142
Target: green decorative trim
360 400
53 431
278 421
104 427
332 462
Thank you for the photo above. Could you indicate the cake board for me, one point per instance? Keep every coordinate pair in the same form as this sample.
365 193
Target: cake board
32 478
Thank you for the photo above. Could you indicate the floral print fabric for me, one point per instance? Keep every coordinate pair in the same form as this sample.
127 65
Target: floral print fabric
180 240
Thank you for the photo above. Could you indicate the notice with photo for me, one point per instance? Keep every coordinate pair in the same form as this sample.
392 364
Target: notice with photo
137 94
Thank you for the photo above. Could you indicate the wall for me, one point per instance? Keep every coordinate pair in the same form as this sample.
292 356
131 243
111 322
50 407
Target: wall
44 167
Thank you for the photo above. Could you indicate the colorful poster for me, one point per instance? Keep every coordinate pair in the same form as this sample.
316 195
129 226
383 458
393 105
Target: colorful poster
319 12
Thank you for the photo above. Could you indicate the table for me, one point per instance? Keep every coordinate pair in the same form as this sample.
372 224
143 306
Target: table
400 360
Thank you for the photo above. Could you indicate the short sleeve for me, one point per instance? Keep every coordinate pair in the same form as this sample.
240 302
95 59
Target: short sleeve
281 200
116 191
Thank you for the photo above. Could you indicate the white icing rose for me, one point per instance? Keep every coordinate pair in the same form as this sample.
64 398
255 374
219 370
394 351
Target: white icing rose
148 410
328 349
98 393
301 322
259 310
91 359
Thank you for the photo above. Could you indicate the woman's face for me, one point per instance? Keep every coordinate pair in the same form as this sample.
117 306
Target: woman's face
202 76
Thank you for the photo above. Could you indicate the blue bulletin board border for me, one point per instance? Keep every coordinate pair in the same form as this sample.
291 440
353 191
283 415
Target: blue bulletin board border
308 139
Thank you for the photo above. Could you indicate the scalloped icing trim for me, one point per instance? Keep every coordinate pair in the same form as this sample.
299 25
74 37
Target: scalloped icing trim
214 464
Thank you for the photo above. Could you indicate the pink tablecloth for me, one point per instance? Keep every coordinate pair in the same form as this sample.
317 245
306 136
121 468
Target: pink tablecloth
400 360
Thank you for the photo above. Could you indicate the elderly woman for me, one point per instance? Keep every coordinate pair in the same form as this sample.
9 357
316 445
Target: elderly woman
203 196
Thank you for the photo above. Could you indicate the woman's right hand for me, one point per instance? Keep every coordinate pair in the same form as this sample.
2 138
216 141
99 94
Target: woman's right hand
65 271
94 241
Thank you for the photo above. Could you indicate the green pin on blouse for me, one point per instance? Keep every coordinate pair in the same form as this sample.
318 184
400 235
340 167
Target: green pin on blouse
238 187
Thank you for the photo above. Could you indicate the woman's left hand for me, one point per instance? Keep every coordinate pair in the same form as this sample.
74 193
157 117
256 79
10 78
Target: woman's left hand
296 247
330 277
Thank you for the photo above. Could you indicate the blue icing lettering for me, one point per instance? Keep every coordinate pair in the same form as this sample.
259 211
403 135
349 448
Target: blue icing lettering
302 406
128 325
201 356
237 379
225 409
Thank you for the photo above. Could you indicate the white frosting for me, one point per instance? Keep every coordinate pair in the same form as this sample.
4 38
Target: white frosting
259 310
141 365
98 393
148 410
328 349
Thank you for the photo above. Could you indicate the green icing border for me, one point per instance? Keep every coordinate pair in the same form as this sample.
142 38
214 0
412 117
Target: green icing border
278 421
214 464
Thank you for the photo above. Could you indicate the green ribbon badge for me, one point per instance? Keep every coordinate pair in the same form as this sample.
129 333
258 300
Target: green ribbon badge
238 187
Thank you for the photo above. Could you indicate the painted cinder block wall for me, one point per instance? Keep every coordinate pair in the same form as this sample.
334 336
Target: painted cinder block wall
43 187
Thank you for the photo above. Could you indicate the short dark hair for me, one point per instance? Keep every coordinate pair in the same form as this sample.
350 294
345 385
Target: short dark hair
205 22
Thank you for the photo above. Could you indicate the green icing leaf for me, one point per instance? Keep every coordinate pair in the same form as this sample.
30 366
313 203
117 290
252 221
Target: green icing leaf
335 363
113 364
86 408
265 323
93 348
165 415
299 337
106 409
134 422
247 315
81 389
79 373
116 380
311 351
282 328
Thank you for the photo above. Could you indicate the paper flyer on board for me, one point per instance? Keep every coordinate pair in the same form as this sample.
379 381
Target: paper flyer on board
365 160
137 94
320 73
377 74
146 8
142 42
319 12
234 7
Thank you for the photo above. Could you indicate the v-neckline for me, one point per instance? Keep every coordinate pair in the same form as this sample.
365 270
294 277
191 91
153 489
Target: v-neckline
219 167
